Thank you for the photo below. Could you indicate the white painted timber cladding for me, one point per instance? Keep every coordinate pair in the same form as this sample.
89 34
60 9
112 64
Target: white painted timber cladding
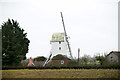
55 48
56 38
113 59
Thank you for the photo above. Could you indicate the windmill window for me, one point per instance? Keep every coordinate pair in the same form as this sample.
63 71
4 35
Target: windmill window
59 48
62 62
59 42
111 57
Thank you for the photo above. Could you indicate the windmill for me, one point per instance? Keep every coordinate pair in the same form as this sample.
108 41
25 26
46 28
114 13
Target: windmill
59 44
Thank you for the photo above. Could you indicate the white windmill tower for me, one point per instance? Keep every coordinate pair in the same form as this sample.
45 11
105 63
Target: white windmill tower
59 44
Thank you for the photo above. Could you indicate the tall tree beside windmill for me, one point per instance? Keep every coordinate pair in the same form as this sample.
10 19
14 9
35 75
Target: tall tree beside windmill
59 44
14 43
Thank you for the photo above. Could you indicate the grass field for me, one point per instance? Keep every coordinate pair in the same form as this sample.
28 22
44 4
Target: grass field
61 73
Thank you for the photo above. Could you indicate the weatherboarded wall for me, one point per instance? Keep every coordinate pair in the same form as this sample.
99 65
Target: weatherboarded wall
112 58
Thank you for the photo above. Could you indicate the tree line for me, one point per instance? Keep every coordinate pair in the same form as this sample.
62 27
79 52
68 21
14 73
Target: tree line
15 46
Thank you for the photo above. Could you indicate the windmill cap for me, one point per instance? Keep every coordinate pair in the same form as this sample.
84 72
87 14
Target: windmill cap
57 37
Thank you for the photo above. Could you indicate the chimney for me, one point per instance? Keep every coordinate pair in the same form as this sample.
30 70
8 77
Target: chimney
30 62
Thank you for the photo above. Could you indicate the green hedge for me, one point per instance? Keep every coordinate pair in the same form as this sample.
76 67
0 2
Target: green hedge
70 67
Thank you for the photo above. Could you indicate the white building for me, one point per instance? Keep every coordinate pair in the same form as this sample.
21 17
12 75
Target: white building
113 57
59 45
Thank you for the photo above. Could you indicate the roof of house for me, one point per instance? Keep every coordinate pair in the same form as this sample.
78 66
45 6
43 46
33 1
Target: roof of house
39 63
117 53
60 57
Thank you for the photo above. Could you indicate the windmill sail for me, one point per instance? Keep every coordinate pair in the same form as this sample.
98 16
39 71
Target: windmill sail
66 38
47 59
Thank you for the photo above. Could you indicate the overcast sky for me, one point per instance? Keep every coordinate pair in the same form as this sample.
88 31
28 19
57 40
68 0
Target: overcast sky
92 25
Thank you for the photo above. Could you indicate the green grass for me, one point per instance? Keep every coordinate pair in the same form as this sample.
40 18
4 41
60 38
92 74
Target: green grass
60 73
